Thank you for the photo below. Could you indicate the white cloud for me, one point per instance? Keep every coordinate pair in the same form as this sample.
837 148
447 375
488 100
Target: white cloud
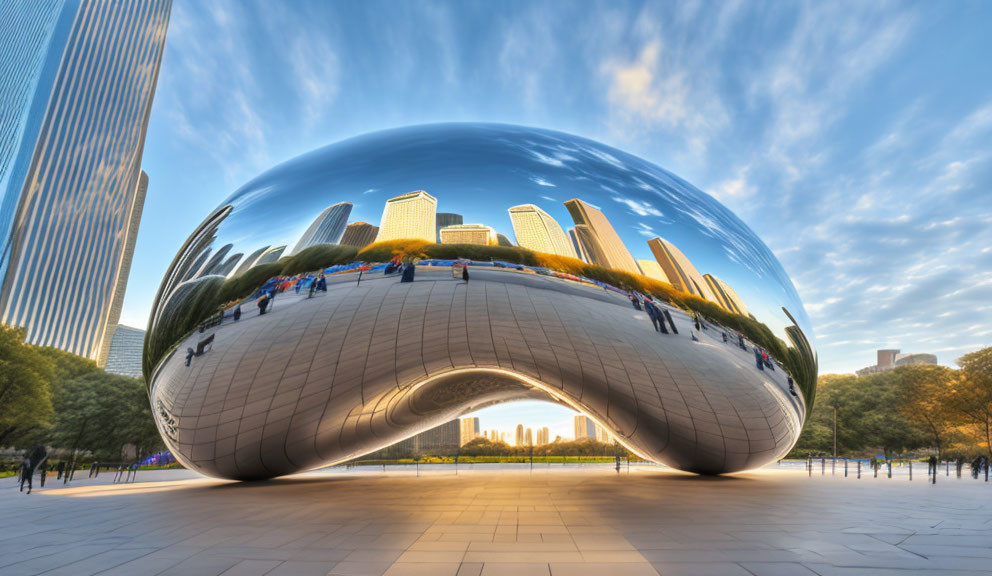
638 207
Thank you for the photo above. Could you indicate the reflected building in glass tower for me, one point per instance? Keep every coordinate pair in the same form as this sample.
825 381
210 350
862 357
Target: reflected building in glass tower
679 270
77 78
600 241
328 228
409 216
725 295
359 234
536 230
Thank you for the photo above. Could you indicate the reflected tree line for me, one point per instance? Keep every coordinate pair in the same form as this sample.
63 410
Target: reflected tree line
51 398
909 411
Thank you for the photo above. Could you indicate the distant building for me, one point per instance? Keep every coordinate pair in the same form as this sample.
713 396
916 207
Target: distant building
359 234
652 269
680 271
585 427
468 234
542 436
891 359
602 435
529 437
250 261
327 228
409 216
445 219
536 230
726 297
443 440
597 236
519 440
124 356
469 430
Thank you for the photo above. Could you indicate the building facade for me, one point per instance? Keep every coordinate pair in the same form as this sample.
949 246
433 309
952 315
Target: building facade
679 270
77 79
890 359
585 427
601 242
536 230
445 219
408 217
359 234
327 228
518 440
469 430
469 234
652 269
725 296
124 356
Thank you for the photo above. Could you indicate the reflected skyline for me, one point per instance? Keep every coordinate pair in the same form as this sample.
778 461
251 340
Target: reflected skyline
477 164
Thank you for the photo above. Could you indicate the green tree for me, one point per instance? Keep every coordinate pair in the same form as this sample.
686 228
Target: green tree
922 391
970 397
25 398
103 413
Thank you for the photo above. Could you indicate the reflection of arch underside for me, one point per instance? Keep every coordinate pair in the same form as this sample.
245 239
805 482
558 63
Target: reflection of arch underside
345 373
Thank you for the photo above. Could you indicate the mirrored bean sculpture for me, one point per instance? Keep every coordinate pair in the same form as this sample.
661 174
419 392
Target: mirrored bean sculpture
365 292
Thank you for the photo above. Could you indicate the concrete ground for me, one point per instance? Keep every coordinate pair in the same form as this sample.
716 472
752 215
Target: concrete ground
559 521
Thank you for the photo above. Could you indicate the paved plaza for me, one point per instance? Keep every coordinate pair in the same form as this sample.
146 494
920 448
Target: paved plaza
501 521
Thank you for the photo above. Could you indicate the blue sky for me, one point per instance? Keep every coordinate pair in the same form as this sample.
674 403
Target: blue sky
854 138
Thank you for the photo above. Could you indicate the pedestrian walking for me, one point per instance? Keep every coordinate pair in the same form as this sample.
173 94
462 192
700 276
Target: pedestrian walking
60 469
237 312
26 472
262 304
758 359
932 466
465 273
43 470
671 322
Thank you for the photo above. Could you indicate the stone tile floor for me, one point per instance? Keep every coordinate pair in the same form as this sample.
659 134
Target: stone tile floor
562 522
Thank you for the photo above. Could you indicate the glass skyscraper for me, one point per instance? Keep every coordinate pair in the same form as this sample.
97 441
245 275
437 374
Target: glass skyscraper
77 78
326 228
679 269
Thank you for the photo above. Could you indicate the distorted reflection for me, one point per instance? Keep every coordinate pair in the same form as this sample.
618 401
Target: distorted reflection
291 331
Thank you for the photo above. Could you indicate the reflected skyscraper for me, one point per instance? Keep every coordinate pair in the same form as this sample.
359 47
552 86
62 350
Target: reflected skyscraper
652 269
445 219
726 297
503 240
250 261
519 439
359 234
597 236
409 216
529 437
327 228
77 80
680 271
580 251
536 230
269 256
469 234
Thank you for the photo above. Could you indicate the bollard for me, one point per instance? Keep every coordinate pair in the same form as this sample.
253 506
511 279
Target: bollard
875 468
947 468
809 466
859 469
823 466
845 467
910 471
833 466
890 468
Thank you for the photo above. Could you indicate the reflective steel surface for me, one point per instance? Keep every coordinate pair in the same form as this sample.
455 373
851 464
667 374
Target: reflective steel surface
281 340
